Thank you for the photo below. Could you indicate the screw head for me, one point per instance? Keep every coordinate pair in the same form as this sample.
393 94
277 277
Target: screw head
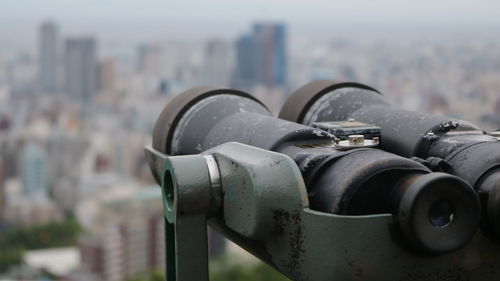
356 140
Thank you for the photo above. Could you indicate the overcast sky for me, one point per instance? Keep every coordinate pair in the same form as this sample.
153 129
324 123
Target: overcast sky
206 18
435 11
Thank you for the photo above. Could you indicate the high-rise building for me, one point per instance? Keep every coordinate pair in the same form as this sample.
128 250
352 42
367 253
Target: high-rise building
48 56
217 63
81 68
150 58
261 56
33 170
107 75
246 63
271 53
126 237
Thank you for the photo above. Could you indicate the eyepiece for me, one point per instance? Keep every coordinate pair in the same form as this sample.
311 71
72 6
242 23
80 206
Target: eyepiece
437 212
442 213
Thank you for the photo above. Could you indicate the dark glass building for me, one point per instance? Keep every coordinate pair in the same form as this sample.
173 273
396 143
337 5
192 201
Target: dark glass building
47 53
261 56
81 68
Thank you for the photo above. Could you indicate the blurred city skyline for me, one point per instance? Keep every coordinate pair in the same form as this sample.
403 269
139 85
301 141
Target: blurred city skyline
82 83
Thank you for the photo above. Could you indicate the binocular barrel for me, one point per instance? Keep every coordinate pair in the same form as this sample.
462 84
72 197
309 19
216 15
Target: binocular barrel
436 212
462 148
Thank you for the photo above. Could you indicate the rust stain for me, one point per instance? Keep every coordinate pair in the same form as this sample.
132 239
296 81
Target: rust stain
297 246
360 271
283 221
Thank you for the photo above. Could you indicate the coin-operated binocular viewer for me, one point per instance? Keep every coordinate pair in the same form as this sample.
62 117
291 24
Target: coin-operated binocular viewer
315 204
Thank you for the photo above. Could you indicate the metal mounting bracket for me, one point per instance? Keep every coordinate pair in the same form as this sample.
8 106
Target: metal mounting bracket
184 180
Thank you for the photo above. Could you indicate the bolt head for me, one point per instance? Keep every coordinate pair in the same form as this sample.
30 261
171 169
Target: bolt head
356 139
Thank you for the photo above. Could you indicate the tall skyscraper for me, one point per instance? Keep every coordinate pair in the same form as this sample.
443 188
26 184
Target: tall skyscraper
271 53
33 170
246 63
261 55
81 68
48 56
217 63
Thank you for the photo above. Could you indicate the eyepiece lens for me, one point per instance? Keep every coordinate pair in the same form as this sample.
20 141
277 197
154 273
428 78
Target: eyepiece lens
441 213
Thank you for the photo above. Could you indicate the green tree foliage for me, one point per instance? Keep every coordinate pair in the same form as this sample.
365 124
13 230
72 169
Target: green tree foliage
226 268
10 256
153 276
16 240
50 235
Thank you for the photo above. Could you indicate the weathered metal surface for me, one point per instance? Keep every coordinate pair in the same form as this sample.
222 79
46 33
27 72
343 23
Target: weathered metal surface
402 130
258 198
366 248
253 181
309 245
266 212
